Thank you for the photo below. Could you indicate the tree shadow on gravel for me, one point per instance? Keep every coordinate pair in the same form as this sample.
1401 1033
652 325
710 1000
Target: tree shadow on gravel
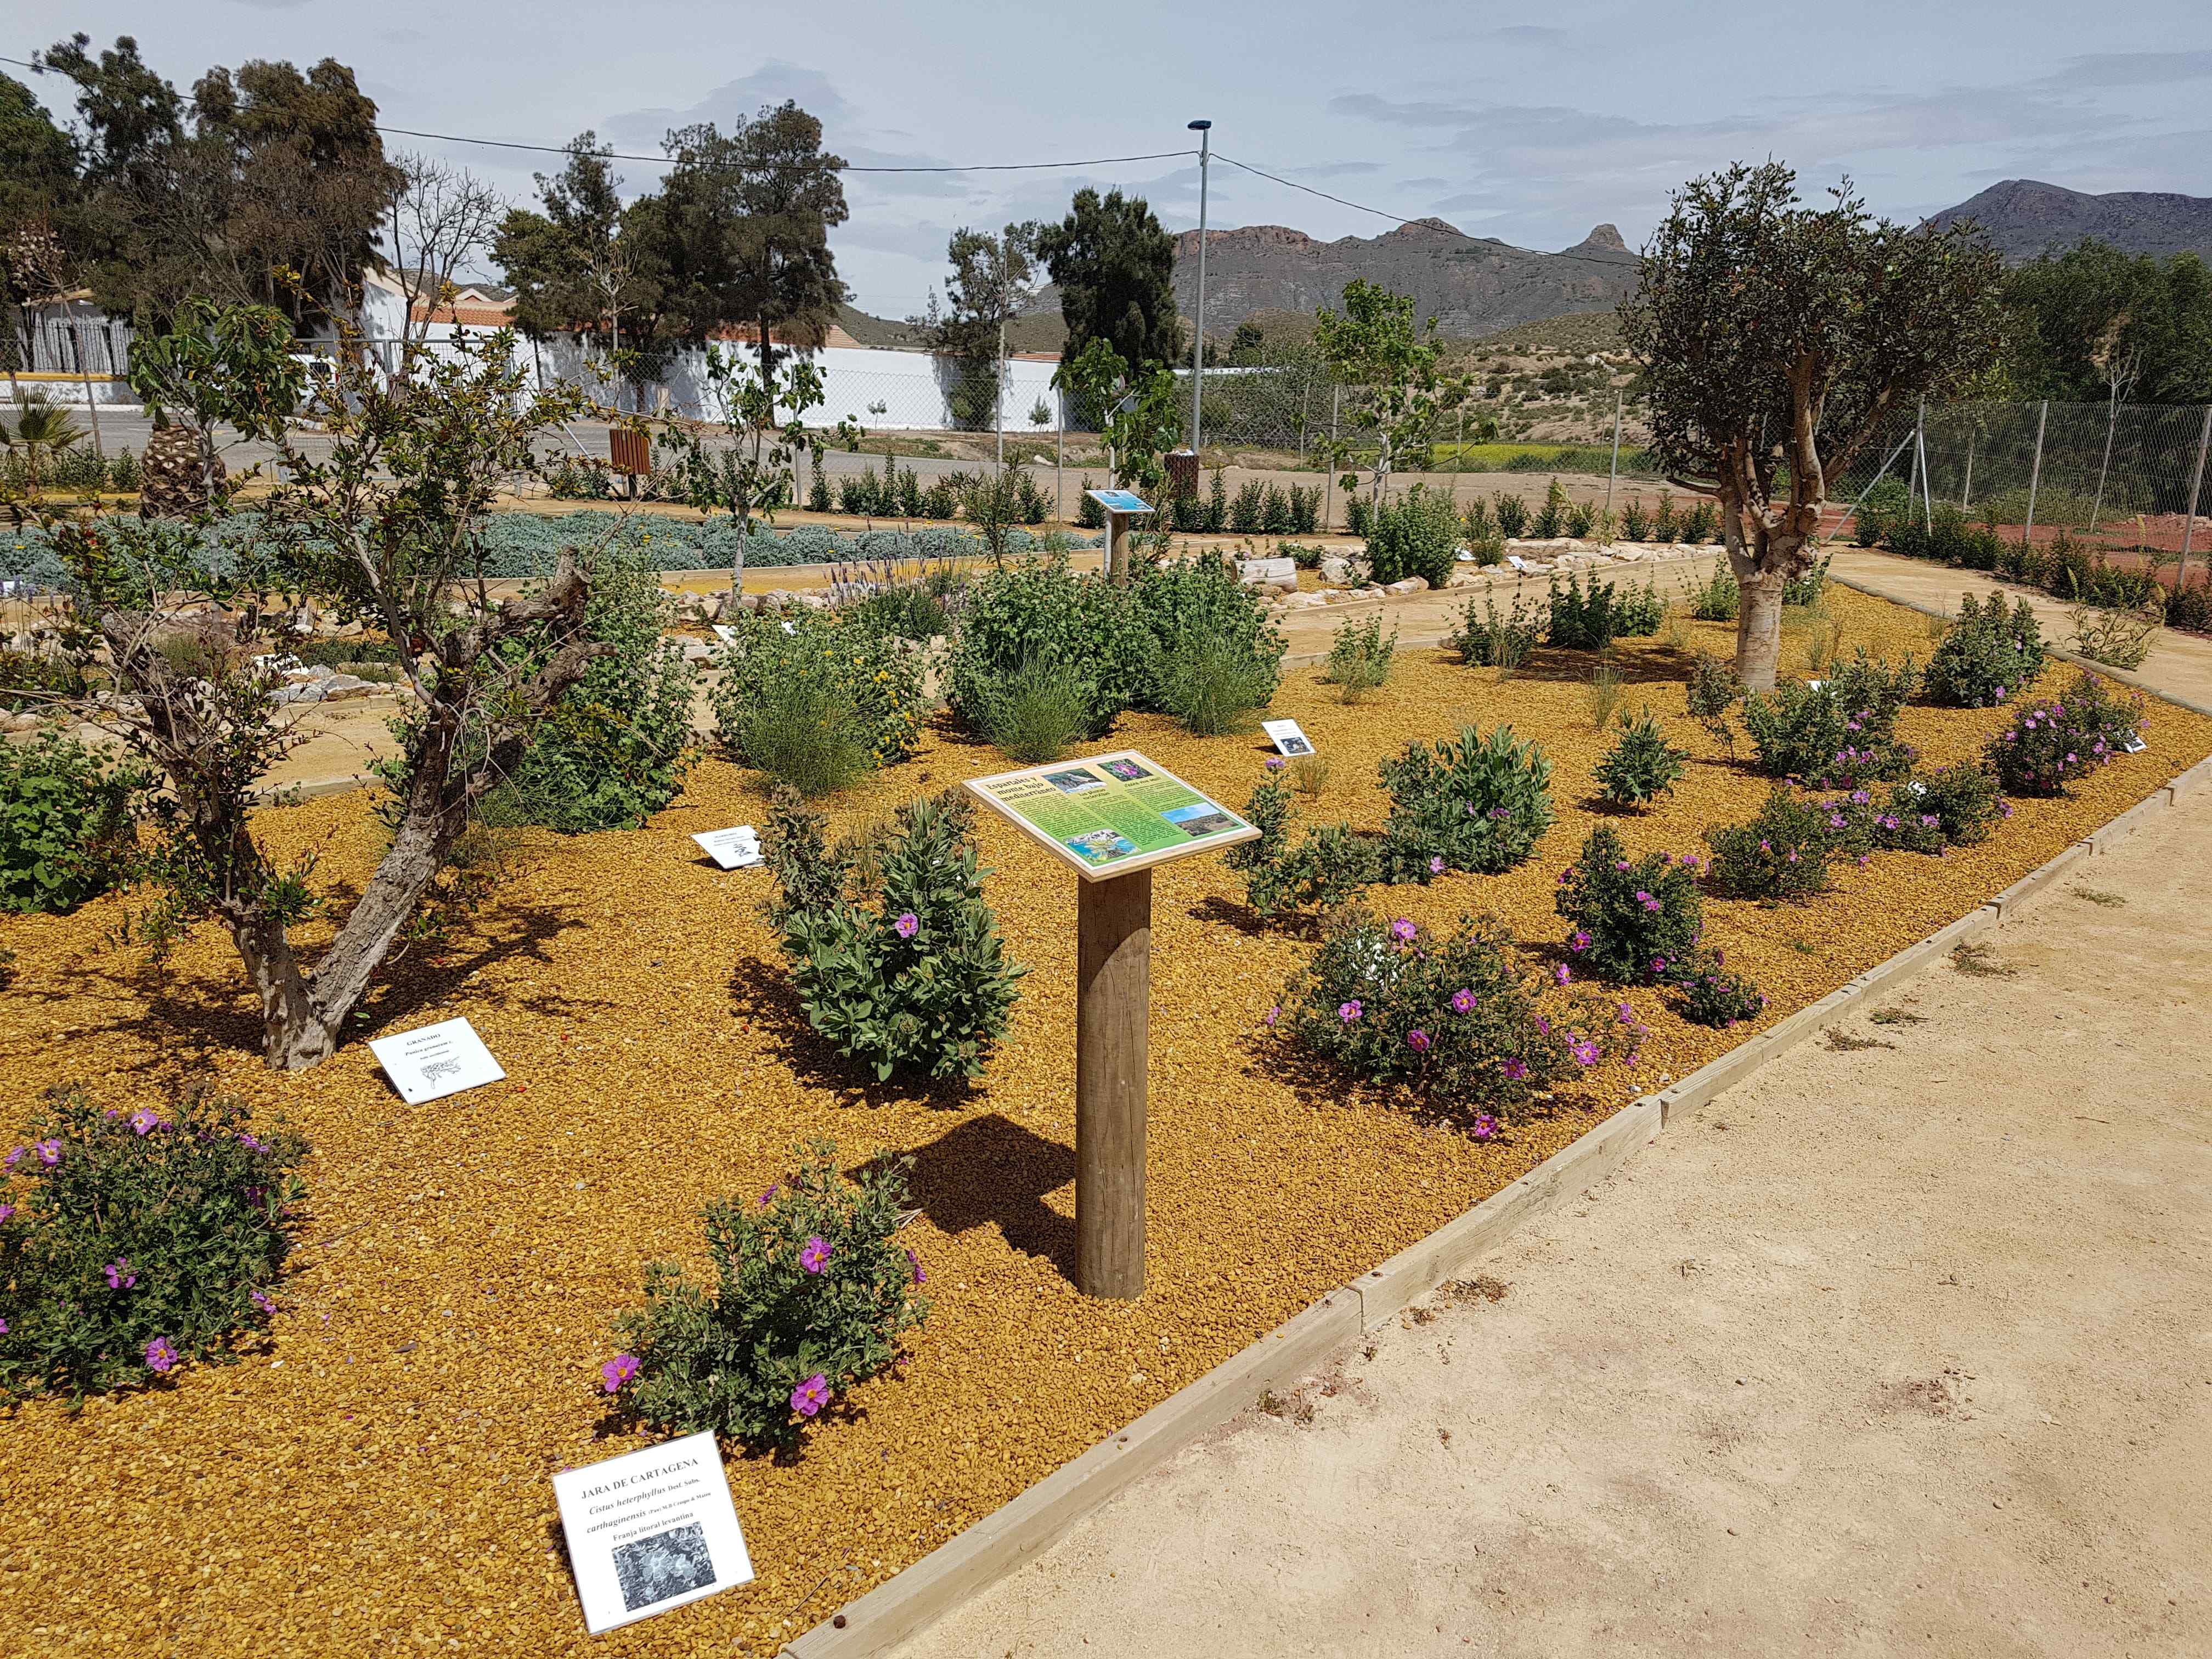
992 1171
763 993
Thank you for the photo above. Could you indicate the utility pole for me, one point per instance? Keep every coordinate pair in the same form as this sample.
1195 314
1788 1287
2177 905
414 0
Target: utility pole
1204 132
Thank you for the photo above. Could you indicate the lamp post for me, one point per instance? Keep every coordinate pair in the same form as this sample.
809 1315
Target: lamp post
1204 132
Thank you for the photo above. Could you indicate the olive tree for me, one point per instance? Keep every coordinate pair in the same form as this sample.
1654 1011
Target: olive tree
1774 339
385 522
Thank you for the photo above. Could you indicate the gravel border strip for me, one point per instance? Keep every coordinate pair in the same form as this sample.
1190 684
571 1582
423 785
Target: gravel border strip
911 1600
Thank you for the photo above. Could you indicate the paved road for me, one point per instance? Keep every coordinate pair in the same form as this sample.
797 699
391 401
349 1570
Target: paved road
1899 1349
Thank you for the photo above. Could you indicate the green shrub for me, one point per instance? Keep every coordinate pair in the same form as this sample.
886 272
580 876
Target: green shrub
1707 995
1491 640
1717 598
1551 521
1211 686
1576 621
1209 653
1443 1017
1635 523
1951 805
1642 766
1837 732
1704 524
1512 514
615 750
28 680
895 956
130 1244
1782 854
1467 803
820 705
1327 868
2056 740
1633 922
1042 617
67 822
1415 535
1990 653
1359 515
1809 584
810 1292
1712 691
1359 658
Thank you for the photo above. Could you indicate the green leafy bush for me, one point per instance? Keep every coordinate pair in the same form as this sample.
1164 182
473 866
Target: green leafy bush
130 1244
1359 658
1782 854
1634 922
1837 732
819 705
1712 691
1358 514
67 822
1717 598
2056 740
810 1292
1490 641
1639 612
1512 515
1576 621
1465 803
1210 655
1444 1018
1551 521
1634 522
895 956
615 750
1041 616
1709 996
1642 765
28 680
1951 805
1327 868
1415 535
1990 654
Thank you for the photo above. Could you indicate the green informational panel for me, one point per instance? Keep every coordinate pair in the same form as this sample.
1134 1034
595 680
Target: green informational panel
1113 813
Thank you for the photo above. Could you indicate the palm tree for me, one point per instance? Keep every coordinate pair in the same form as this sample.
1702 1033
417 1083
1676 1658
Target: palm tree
40 430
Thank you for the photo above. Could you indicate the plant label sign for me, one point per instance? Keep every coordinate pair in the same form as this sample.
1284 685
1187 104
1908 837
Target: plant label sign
1119 501
1112 813
436 1060
1287 738
724 632
651 1530
734 849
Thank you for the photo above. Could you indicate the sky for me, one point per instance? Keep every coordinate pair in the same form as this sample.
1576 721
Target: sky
1528 123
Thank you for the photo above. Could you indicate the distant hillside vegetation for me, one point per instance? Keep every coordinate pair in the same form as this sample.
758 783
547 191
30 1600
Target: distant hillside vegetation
2024 217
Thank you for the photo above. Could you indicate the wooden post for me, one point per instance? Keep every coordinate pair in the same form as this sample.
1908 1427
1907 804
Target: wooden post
1117 546
1113 1006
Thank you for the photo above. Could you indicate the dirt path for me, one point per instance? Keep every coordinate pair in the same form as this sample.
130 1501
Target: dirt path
1899 1348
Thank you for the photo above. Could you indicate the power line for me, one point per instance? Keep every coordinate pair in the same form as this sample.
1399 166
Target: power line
1382 213
847 166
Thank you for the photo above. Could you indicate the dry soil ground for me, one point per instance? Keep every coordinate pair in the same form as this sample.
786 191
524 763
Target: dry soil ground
1901 1347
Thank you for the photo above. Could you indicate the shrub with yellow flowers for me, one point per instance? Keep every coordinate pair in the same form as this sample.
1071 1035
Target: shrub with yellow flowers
816 698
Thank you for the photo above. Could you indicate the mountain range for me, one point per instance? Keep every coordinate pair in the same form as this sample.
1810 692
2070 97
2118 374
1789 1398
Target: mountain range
2024 217
1472 285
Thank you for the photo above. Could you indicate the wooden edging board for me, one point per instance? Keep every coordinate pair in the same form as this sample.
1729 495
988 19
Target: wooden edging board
911 1600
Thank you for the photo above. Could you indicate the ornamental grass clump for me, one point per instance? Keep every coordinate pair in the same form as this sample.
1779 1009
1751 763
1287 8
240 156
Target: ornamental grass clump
1447 1018
895 957
820 705
1781 856
1327 867
1990 654
810 1294
2057 741
1359 658
1634 922
131 1242
1642 766
1467 803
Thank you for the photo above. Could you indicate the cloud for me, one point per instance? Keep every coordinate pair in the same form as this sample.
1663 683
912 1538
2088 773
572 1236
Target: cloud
736 101
2132 68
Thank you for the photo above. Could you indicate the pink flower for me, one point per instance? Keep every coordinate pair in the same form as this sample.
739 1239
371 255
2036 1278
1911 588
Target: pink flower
1348 1011
1417 1041
1486 1127
1275 762
1274 1013
7 1212
1436 865
161 1355
145 1119
1579 941
617 1371
1561 974
1403 930
119 1276
49 1151
810 1396
814 1255
1585 1051
908 925
262 1300
1463 1002
1514 1069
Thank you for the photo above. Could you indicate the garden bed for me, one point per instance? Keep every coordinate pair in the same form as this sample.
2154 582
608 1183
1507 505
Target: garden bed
378 1473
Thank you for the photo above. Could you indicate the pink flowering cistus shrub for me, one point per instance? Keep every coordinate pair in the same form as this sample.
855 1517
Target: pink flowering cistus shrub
1447 1019
809 1293
133 1242
2052 743
1633 923
1780 856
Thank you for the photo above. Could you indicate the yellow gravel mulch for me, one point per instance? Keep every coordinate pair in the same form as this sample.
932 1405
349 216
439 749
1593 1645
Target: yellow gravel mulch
377 1476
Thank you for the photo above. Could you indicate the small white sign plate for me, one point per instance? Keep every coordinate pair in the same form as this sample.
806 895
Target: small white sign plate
433 1061
651 1530
734 849
1514 559
1287 738
724 632
2134 746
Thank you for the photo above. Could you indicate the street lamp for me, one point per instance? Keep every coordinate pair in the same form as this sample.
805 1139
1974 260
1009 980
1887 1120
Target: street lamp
1204 129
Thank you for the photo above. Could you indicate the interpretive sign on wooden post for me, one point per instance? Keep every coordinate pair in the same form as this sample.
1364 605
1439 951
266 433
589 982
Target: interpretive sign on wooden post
1113 818
1121 506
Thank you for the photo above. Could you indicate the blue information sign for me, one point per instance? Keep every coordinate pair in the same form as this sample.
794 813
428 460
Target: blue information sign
1119 501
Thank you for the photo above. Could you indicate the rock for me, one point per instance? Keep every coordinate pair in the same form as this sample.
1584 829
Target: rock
694 651
310 691
349 685
1408 585
1335 567
25 721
